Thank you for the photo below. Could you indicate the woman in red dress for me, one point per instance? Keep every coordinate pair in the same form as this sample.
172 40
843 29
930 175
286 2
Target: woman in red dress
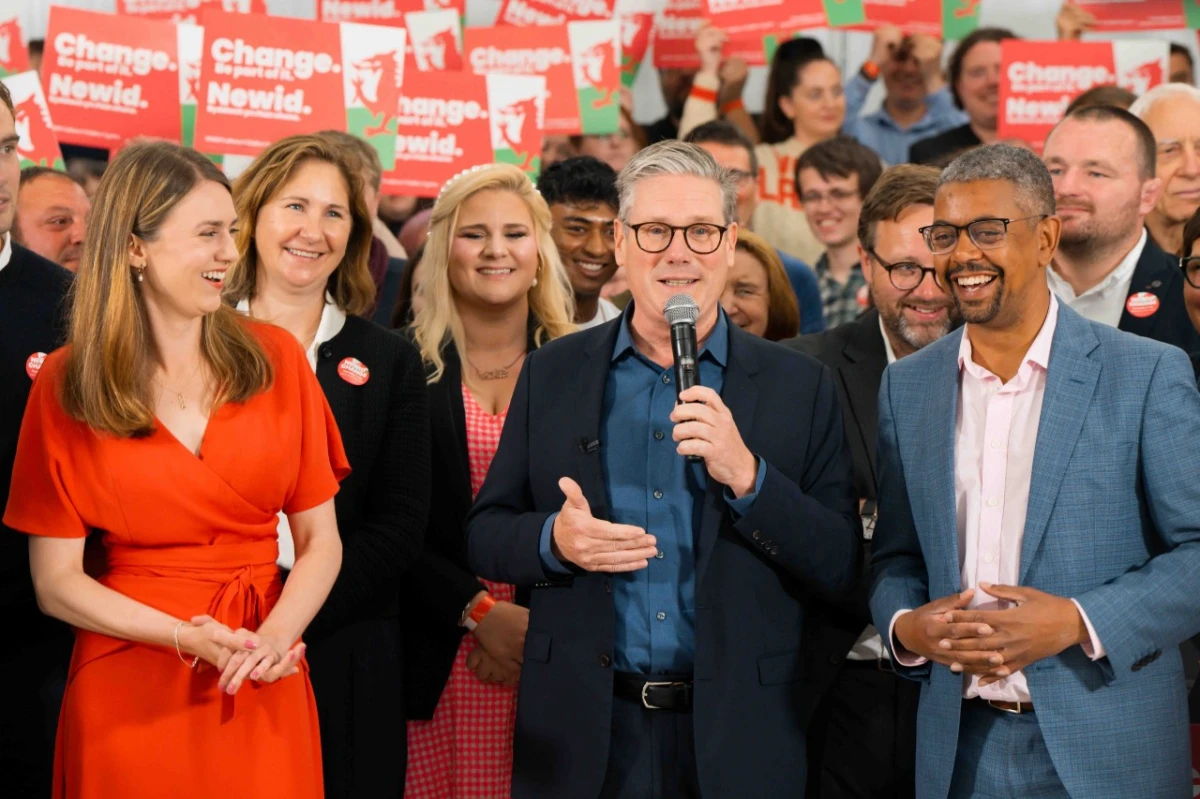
494 287
177 431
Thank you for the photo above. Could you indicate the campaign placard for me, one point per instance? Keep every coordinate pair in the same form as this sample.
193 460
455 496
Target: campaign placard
108 79
911 16
14 56
517 118
771 16
521 13
635 40
187 11
36 144
435 40
265 80
1135 15
1038 80
548 51
382 12
674 37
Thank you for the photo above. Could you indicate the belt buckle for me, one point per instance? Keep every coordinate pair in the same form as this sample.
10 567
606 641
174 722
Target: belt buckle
648 685
1015 712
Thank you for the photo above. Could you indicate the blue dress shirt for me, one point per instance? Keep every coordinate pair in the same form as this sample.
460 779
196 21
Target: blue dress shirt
883 135
653 487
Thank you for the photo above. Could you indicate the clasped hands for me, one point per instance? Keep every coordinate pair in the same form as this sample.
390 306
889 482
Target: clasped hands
993 644
704 426
500 648
239 654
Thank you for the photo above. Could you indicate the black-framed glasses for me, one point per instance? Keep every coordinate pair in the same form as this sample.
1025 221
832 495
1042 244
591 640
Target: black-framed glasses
1191 270
987 234
701 238
905 275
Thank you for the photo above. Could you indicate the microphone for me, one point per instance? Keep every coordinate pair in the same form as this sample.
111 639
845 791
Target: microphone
682 312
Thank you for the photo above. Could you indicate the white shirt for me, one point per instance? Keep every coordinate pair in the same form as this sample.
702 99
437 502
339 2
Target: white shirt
605 312
1104 302
333 319
6 251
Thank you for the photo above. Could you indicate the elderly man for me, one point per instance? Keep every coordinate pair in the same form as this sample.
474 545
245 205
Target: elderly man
663 657
52 211
1172 112
1035 558
1106 268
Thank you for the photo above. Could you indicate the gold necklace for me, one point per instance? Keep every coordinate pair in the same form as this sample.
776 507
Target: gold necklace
498 373
179 394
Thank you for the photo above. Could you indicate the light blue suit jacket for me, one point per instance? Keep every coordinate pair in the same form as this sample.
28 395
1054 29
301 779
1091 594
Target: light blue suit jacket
1113 521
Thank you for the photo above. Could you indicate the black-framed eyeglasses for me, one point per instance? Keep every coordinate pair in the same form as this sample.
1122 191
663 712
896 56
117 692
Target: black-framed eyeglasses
905 275
1191 270
987 234
701 238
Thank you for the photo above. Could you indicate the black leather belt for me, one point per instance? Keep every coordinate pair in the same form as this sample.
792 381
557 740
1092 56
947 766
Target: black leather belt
664 692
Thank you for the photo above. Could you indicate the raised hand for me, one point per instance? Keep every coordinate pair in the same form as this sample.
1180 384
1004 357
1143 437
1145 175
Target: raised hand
709 42
593 544
1072 21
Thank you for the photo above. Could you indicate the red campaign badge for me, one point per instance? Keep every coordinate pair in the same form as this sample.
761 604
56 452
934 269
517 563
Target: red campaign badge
354 371
33 364
863 297
1142 304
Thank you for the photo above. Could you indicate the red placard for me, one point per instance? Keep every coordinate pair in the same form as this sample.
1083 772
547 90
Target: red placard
381 12
108 79
14 57
188 11
766 16
911 16
435 40
521 13
1136 15
36 145
675 29
265 80
1039 79
530 51
635 39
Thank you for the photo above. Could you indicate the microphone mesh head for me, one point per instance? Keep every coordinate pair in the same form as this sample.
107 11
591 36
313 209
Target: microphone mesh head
681 308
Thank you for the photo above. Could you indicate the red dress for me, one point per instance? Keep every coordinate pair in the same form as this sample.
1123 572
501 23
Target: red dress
187 535
465 750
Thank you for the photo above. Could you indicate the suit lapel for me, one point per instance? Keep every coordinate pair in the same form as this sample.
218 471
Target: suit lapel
864 361
450 418
1070 383
591 380
1149 277
740 395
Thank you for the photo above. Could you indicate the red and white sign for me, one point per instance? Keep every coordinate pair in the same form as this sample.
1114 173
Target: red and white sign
188 11
14 57
522 13
1039 79
381 12
435 40
530 51
675 29
108 79
766 16
1135 15
36 144
911 16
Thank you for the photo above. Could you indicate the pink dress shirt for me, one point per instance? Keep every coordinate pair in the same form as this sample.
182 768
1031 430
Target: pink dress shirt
995 435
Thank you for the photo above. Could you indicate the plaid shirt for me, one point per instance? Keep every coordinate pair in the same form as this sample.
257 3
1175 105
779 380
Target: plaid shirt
842 303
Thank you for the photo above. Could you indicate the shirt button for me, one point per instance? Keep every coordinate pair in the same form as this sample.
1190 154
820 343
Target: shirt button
666 379
996 444
660 555
657 494
658 435
993 502
989 558
660 616
605 661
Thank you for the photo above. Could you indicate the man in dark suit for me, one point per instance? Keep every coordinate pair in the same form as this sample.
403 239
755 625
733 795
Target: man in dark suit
663 657
33 664
1107 268
862 739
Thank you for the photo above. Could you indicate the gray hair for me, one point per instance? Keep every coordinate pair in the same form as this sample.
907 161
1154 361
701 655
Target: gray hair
1164 91
1016 165
672 157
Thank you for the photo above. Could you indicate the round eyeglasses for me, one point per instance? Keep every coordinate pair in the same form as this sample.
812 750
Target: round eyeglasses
986 234
1191 270
701 238
905 275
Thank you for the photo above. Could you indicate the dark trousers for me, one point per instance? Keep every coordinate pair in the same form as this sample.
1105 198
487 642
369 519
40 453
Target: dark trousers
652 754
862 738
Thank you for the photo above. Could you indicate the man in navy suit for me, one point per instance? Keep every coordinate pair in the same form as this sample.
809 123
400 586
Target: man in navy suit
663 656
1038 541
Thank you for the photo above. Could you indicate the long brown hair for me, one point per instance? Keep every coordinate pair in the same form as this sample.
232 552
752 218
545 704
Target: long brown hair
351 284
783 311
112 352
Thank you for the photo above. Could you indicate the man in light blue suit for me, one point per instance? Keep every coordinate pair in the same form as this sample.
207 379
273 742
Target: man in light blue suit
1037 555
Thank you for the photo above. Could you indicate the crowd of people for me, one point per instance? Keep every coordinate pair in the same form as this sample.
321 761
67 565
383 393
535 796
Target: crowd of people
313 491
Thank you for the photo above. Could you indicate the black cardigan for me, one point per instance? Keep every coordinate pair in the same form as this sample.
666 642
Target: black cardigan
382 509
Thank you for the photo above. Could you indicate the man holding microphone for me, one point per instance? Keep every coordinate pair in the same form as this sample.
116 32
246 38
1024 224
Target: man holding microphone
663 654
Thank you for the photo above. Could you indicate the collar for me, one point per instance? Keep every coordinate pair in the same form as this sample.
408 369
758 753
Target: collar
885 120
6 250
333 319
822 264
716 347
1038 353
1117 281
887 343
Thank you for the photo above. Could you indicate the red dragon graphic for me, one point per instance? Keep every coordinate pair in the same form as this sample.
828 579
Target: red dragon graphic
386 101
527 110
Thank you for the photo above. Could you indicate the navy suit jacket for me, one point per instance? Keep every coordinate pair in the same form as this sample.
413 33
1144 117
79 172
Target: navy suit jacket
754 574
1159 274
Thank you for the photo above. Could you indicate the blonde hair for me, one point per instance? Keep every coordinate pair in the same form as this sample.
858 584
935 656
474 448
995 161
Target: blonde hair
551 301
351 284
111 359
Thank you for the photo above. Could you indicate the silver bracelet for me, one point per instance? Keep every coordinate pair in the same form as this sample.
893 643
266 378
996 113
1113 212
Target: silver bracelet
179 652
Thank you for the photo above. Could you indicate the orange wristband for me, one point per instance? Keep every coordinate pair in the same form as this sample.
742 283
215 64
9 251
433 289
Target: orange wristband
485 604
700 93
733 105
870 70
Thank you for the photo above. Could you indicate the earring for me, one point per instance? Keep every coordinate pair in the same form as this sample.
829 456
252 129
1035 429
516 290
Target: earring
140 273
535 281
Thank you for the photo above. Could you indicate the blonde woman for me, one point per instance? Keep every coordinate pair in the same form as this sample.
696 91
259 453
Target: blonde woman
177 430
493 288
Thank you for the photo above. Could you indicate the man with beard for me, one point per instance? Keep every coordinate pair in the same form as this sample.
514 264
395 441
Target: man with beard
52 211
582 195
862 737
1035 558
1106 268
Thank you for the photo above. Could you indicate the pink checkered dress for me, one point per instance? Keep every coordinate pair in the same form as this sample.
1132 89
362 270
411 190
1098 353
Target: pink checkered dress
465 751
